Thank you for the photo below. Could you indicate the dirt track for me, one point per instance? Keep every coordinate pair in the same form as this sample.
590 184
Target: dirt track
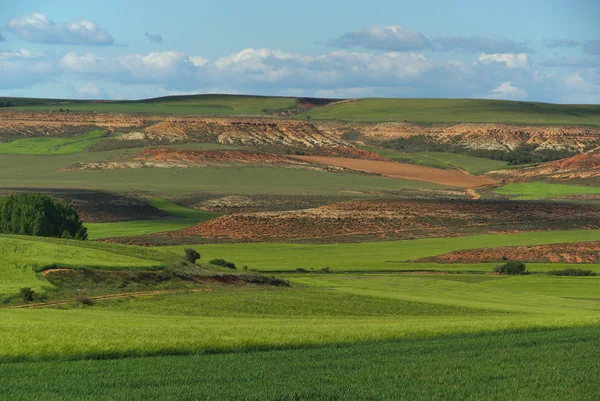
404 171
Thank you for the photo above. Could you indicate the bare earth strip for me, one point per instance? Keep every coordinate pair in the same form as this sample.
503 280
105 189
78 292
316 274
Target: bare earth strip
404 171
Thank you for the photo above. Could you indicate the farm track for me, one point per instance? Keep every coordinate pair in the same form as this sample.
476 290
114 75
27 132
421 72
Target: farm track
104 297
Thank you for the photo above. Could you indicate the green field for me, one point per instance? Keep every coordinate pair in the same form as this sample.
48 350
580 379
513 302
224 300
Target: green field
545 365
375 256
21 256
181 217
542 190
440 111
471 164
346 334
52 146
194 104
22 171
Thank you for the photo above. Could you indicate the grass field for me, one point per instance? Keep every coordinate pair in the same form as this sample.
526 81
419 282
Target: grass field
473 165
542 190
43 172
227 319
376 335
181 217
366 256
195 104
438 111
22 256
547 365
52 146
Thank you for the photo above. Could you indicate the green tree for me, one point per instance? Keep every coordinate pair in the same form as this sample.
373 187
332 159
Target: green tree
39 215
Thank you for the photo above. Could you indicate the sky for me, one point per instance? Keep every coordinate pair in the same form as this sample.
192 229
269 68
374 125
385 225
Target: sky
535 50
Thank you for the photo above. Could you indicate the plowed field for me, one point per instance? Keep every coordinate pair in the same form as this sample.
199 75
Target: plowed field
404 171
396 219
581 252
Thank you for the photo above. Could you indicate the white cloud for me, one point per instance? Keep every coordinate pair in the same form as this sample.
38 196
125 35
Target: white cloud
36 27
23 69
392 37
506 90
510 60
91 91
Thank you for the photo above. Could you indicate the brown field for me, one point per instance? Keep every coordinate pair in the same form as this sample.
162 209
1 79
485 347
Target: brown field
397 219
581 252
404 171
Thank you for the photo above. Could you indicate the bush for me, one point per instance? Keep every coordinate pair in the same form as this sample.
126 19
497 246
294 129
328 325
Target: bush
27 294
301 270
511 268
222 262
39 215
84 300
572 272
191 255
351 135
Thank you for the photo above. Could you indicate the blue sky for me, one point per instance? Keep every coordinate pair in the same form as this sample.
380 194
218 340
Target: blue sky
520 50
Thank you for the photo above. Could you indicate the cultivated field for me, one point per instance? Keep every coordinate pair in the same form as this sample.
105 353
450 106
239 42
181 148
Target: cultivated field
337 257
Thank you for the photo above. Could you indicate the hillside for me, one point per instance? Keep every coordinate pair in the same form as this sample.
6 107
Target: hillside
582 166
179 105
422 111
444 111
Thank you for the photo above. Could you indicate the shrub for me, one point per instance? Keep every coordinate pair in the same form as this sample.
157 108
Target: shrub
222 262
39 215
84 300
301 270
511 268
351 135
572 272
326 269
27 294
191 255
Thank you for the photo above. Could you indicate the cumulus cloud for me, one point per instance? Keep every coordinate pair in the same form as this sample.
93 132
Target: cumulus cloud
36 27
478 44
154 37
510 60
393 37
23 69
91 91
507 91
169 68
275 72
592 47
559 43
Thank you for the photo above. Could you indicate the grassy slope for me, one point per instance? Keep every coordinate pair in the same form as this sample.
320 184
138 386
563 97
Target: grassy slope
437 111
21 255
52 146
547 365
542 190
341 309
196 104
374 255
183 217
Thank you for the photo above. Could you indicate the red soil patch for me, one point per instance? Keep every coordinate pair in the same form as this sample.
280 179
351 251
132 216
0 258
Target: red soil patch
580 252
396 219
404 171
